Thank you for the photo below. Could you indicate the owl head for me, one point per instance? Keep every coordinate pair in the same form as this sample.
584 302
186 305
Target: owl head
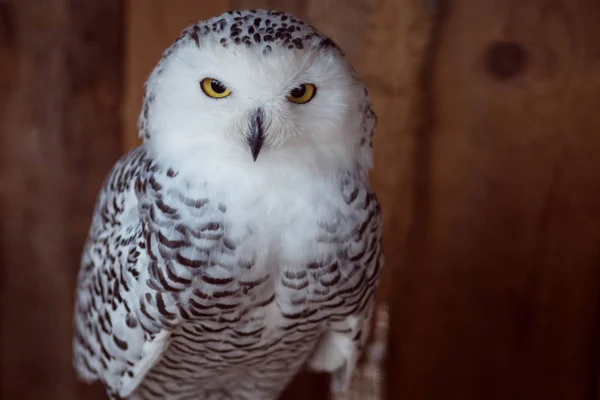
256 88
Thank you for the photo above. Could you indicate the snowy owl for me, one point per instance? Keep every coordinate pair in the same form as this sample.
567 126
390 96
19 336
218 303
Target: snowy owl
241 242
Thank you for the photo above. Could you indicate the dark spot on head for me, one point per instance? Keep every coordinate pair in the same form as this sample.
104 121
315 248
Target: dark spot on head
267 50
234 30
298 43
195 35
221 24
327 43
257 38
257 22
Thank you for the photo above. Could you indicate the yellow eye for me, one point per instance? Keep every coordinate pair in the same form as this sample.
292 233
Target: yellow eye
302 94
213 88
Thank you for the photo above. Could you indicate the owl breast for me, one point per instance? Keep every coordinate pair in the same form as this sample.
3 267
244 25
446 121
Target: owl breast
259 282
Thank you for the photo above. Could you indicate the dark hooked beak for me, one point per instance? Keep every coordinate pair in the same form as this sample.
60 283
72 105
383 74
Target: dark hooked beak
257 134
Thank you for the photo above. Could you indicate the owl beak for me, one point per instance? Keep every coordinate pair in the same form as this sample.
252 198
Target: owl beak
257 134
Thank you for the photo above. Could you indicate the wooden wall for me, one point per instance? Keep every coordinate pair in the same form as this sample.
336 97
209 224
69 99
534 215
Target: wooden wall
497 296
487 166
60 130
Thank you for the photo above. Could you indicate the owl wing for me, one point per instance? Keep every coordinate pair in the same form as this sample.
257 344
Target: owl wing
121 324
359 253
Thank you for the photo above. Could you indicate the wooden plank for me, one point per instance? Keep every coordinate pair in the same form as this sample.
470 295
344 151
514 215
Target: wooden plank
396 43
500 280
59 135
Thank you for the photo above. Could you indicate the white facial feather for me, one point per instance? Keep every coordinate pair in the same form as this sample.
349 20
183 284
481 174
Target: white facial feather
192 132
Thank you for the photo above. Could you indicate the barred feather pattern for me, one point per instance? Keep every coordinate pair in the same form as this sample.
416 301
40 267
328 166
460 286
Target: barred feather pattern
174 302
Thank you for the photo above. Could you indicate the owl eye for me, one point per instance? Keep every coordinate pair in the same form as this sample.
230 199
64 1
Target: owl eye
214 88
302 94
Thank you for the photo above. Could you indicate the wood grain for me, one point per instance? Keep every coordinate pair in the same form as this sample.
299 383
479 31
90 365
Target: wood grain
501 273
59 134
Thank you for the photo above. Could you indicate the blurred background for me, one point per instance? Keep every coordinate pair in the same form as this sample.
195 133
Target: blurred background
487 167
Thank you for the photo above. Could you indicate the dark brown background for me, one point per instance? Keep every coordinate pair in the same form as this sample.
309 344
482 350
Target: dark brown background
487 165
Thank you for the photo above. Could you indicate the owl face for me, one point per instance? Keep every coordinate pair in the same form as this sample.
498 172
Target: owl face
252 88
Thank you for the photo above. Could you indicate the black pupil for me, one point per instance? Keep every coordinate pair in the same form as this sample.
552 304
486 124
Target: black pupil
217 87
299 91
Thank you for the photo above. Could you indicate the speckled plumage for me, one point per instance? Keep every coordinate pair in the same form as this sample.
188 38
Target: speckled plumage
207 275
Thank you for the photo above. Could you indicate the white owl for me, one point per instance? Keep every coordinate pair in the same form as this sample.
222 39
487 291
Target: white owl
241 241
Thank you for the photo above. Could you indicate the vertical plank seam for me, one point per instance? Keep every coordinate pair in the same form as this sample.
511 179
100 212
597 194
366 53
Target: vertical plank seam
595 358
426 123
424 108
